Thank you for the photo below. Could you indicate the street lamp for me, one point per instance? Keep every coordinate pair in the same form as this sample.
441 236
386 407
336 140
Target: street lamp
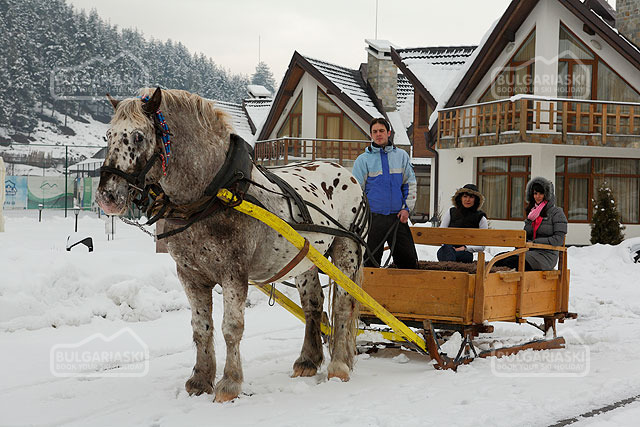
76 210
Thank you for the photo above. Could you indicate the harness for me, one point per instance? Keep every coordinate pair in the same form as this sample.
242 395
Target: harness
234 175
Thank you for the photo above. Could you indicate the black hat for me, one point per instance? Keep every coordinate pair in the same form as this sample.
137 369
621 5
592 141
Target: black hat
469 189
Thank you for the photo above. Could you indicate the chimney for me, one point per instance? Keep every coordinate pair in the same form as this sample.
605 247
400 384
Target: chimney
382 73
628 19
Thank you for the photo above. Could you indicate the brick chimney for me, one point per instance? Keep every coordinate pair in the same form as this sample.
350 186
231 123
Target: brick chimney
382 73
628 19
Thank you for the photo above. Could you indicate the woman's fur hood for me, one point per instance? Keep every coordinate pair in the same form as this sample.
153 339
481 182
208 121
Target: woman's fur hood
547 185
456 199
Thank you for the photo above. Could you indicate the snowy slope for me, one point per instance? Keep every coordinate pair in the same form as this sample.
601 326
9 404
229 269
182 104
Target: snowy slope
49 297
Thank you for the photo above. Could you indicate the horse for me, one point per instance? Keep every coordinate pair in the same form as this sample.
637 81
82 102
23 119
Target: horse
224 246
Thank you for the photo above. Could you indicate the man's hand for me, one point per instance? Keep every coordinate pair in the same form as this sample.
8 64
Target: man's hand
461 248
404 216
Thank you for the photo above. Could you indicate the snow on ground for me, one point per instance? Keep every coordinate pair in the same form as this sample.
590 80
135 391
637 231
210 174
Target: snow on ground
51 297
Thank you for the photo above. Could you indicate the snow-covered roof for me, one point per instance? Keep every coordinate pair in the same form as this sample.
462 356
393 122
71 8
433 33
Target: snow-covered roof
349 82
435 67
258 91
258 110
405 91
238 118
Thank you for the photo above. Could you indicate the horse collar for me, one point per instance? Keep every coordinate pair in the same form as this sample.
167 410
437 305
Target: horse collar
162 132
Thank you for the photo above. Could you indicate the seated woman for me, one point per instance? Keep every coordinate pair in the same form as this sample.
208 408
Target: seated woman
545 224
464 213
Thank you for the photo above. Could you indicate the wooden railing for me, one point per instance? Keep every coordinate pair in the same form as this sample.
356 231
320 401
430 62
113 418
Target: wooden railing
527 115
282 151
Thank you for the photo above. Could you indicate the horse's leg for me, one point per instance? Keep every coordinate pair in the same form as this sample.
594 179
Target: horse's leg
204 371
234 294
312 299
342 347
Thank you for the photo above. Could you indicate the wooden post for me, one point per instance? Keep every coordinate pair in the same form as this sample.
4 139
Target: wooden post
618 119
520 290
340 158
604 124
537 115
631 117
498 106
286 151
478 294
591 118
523 119
477 126
484 115
578 117
455 129
565 117
551 114
513 115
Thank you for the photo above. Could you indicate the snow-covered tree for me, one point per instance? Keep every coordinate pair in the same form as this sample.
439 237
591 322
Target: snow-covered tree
605 223
263 76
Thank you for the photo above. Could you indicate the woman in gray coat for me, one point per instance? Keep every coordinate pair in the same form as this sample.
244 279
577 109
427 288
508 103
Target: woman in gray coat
545 224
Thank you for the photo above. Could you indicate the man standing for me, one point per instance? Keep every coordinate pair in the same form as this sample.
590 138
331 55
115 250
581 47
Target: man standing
386 175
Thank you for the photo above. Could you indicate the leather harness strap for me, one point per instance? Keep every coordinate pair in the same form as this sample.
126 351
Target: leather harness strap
287 268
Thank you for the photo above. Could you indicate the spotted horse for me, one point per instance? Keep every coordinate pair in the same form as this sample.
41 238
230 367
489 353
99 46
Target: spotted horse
179 173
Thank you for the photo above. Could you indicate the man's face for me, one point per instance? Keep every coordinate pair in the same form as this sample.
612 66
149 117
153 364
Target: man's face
379 134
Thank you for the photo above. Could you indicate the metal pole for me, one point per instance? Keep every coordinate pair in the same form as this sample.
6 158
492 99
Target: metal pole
66 171
76 222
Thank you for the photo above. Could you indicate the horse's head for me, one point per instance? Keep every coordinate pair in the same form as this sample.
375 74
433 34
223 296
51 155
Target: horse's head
133 154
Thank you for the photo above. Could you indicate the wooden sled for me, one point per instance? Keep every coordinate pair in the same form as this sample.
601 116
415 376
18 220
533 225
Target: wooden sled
439 302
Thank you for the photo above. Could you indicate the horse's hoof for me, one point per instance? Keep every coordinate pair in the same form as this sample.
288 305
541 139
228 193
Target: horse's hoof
197 386
224 397
227 390
304 369
338 370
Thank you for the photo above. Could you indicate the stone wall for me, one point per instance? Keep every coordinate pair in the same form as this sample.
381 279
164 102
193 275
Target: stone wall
628 19
383 77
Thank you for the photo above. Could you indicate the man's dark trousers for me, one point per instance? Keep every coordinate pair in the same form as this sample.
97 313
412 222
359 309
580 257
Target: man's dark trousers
404 251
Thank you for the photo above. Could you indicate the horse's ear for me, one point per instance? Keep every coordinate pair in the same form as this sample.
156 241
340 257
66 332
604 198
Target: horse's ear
153 104
114 102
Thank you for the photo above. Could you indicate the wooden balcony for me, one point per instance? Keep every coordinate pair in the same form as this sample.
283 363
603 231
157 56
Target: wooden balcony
541 120
282 151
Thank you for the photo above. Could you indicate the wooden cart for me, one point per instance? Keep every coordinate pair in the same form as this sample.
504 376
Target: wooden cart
464 302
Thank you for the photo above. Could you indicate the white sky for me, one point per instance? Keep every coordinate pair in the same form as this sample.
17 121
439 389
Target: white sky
332 30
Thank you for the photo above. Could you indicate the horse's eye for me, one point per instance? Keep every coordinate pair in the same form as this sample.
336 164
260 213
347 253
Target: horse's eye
138 137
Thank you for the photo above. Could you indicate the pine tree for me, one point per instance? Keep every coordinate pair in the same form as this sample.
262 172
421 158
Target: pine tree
263 76
605 224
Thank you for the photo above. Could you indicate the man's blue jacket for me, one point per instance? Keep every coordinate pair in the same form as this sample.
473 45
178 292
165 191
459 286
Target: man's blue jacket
387 177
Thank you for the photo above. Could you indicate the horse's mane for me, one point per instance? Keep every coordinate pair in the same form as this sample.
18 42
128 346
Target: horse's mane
208 116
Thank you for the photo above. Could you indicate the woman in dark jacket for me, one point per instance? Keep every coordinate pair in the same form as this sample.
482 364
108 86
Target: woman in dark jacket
545 224
465 213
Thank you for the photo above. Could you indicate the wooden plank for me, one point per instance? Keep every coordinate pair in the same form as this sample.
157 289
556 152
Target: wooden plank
477 126
498 107
501 307
523 119
471 290
510 276
418 317
520 292
535 282
631 117
538 303
468 236
604 124
418 292
591 110
565 117
455 129
537 114
478 300
513 115
618 119
578 117
551 115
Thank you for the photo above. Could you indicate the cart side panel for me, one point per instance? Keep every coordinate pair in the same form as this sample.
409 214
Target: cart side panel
423 294
539 296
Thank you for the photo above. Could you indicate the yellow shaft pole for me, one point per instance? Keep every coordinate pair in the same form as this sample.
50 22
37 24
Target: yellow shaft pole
327 267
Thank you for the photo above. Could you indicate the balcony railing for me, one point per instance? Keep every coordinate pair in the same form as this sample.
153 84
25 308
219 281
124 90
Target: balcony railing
286 150
538 119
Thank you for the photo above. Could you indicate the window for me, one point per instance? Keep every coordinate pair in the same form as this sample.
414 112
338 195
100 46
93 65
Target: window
502 180
517 76
578 179
576 65
423 180
333 123
293 125
583 75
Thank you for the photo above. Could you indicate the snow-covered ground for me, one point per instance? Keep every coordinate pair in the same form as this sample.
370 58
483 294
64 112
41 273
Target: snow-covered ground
50 297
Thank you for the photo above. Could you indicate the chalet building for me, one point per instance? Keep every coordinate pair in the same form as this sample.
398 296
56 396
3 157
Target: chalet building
323 110
552 90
